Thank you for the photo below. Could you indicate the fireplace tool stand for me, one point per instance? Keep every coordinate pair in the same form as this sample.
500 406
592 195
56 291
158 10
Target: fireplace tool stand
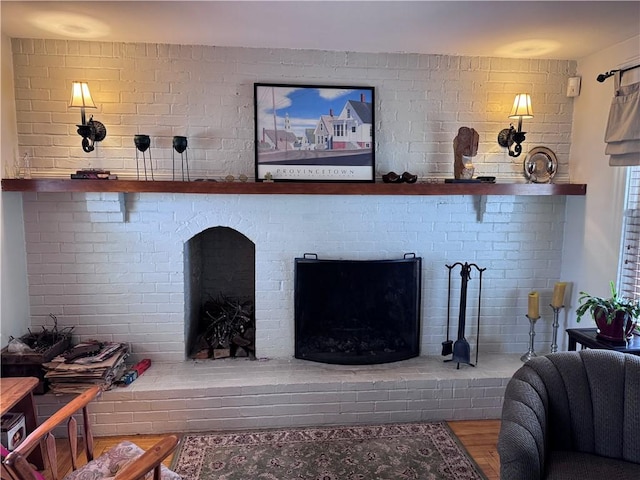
460 348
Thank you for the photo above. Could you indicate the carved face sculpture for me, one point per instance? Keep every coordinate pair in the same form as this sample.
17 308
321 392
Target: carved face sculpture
467 143
464 145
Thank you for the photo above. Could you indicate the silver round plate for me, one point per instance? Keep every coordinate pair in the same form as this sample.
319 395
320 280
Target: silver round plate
541 165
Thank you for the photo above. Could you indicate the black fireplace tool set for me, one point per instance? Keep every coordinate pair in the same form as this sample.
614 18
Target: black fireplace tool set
461 349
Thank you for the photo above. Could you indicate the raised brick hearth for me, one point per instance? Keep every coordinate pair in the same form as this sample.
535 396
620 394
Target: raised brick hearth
227 395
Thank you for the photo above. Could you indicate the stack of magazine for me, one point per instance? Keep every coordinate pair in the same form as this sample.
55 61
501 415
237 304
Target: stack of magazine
93 174
98 364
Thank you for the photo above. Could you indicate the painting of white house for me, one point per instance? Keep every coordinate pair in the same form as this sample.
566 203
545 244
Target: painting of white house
314 133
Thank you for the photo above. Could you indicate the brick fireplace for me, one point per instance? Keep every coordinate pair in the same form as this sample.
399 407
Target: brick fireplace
113 265
121 277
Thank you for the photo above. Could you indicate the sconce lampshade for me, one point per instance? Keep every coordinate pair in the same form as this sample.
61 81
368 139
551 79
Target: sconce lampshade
91 131
522 106
510 136
80 95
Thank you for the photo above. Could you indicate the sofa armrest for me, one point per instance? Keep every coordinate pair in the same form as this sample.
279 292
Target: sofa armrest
522 441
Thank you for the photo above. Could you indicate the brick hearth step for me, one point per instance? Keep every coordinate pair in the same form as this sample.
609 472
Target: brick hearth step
232 394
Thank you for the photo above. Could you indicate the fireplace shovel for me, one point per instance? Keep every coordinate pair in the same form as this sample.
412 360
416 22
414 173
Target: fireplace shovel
447 345
461 348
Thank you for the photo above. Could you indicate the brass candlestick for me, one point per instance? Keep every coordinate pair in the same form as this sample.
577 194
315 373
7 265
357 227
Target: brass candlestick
531 353
556 324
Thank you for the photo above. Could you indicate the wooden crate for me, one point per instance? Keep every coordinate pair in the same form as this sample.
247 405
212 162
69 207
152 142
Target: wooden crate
30 364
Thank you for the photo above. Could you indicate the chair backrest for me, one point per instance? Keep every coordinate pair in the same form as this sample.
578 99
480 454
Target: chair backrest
6 473
18 468
16 461
151 460
593 401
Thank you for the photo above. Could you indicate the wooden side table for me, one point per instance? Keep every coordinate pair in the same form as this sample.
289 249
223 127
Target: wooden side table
16 395
587 338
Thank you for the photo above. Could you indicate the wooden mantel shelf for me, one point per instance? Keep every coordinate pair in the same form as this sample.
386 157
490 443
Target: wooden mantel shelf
290 188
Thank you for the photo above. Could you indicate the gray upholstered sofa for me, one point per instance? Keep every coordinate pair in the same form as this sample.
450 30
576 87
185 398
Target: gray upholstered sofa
572 415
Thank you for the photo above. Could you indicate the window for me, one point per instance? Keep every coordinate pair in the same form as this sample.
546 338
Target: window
629 271
338 130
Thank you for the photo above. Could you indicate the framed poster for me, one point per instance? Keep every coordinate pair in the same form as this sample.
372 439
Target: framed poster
314 133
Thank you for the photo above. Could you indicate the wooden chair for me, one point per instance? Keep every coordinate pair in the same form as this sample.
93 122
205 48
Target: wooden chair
125 461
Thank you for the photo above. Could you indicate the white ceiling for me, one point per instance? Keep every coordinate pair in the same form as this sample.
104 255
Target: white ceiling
543 29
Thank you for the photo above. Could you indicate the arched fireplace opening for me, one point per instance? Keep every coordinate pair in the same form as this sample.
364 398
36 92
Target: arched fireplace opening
219 279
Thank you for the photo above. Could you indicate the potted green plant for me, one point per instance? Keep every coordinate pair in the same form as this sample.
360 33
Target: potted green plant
615 317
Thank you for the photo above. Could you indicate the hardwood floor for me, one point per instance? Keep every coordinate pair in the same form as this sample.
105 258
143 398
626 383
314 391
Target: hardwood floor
479 437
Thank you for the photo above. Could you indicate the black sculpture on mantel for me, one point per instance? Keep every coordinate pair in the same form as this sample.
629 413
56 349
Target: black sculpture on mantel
460 349
180 146
143 143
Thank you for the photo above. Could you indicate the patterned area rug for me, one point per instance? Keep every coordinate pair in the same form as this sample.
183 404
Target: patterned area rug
416 451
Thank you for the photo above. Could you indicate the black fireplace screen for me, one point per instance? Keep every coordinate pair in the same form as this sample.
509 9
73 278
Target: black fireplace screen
356 312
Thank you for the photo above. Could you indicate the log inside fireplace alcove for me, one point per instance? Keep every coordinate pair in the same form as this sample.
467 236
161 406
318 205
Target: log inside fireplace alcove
219 270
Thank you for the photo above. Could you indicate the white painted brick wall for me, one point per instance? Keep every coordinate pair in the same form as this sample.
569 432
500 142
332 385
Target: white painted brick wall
122 280
206 93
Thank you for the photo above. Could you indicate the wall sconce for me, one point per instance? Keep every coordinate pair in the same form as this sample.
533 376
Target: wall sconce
507 137
91 131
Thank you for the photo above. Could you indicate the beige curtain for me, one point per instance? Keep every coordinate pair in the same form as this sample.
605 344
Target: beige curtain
623 128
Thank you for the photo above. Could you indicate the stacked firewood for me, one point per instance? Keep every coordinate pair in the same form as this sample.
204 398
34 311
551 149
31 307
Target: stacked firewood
228 329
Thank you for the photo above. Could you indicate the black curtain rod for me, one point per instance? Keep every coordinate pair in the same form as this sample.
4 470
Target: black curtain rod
603 76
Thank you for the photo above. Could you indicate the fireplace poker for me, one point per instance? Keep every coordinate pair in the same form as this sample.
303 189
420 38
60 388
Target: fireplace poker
447 345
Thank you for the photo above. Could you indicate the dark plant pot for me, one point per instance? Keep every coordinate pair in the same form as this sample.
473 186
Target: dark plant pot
142 142
180 143
618 331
